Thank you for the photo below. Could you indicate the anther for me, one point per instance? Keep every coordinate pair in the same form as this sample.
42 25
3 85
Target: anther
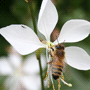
68 84
49 44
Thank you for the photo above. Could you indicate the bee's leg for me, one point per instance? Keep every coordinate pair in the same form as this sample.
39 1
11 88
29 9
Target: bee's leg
59 84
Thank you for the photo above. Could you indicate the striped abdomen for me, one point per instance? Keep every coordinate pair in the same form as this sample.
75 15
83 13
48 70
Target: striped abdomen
57 67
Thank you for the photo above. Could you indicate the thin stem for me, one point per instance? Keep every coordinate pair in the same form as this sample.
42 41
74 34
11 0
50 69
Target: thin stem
39 60
32 15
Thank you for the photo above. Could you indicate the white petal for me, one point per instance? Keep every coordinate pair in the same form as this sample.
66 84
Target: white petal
22 38
31 65
31 82
77 58
15 60
5 68
48 18
12 83
74 31
14 57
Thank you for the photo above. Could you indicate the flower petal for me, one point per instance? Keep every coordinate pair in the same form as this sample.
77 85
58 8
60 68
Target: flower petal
22 38
15 60
5 68
14 57
31 65
12 83
74 31
31 82
77 58
48 18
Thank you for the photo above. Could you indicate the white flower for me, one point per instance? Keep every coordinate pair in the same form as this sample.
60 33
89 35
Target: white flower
25 41
21 74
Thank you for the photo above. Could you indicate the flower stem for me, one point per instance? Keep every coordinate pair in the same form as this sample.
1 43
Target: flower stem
35 29
39 60
32 15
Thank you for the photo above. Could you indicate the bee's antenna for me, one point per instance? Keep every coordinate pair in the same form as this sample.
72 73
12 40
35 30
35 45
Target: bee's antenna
57 39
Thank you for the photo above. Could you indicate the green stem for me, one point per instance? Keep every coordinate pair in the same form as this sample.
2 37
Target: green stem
33 16
39 60
35 29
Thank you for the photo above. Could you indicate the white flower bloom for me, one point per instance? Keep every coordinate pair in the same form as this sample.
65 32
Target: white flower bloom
25 41
21 74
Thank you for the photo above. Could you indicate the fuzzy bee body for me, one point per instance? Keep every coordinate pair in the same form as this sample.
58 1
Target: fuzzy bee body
57 54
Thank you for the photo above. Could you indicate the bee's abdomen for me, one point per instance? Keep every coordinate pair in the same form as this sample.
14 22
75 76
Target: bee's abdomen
56 71
55 76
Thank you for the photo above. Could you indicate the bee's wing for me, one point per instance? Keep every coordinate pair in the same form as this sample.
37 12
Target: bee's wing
66 69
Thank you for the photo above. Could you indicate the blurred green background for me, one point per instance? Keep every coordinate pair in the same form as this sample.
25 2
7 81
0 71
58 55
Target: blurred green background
17 12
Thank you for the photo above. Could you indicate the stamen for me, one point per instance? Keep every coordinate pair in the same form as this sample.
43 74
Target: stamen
68 84
47 76
53 87
59 84
48 83
49 44
62 76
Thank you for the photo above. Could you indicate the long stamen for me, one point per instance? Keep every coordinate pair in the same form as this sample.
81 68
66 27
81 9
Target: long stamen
48 83
47 78
68 84
53 87
62 76
48 70
47 75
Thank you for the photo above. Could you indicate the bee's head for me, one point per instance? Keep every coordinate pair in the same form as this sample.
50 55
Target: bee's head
59 46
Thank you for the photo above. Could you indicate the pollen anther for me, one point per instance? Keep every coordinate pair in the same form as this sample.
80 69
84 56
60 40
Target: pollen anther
49 44
68 84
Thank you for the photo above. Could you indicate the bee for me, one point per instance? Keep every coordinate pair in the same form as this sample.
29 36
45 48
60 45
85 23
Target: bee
57 54
57 65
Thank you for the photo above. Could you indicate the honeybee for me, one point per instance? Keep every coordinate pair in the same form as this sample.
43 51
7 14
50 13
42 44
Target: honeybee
57 54
57 65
